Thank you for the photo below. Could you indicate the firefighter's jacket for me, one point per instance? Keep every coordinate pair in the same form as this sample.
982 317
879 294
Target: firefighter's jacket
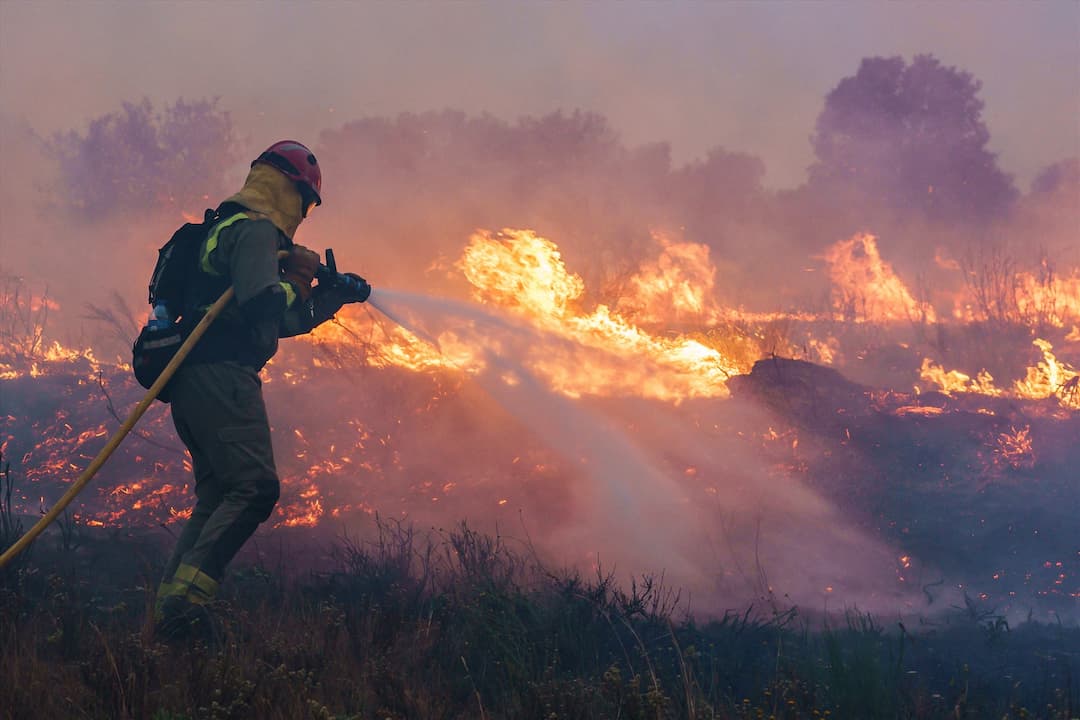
241 251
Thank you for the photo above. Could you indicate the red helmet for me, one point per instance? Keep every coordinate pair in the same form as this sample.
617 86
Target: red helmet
298 164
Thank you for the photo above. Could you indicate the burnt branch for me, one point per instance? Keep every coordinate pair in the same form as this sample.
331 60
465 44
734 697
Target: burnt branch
23 316
118 318
120 421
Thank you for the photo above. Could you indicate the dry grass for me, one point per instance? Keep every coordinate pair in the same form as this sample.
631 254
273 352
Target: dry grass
458 625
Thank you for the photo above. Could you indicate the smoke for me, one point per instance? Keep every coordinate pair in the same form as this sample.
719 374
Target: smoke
628 511
404 188
740 75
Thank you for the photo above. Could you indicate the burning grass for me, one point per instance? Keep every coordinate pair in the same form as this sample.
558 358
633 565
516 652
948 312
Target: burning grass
509 408
978 484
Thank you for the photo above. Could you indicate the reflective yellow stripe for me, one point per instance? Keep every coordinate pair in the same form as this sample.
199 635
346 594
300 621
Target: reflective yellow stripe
201 588
211 242
290 293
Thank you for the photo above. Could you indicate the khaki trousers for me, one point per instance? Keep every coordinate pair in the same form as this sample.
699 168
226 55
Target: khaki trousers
220 416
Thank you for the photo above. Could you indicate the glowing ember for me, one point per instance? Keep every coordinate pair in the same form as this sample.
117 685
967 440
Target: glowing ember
924 410
1013 448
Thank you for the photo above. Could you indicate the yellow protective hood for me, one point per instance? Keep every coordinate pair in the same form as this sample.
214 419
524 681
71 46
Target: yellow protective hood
269 193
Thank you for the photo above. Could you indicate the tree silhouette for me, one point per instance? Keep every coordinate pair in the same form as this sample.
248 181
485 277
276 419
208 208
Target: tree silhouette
137 159
911 137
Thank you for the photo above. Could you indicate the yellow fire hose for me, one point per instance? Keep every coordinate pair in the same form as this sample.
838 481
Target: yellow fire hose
118 437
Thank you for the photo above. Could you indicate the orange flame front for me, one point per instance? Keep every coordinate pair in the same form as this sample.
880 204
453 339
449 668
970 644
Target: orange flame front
866 288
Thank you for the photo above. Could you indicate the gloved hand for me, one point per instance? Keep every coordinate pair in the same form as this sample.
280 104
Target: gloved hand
300 268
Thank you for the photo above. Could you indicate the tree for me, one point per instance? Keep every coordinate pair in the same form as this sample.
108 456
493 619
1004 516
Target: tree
723 184
911 137
137 159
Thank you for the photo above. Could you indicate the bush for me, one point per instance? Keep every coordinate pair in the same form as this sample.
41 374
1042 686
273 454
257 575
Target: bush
137 159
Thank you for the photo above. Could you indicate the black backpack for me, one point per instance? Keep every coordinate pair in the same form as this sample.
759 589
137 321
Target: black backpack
176 264
175 270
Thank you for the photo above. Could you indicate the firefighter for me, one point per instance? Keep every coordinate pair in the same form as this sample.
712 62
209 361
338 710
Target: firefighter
216 396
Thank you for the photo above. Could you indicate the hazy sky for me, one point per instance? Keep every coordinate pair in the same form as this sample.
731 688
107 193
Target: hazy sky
748 77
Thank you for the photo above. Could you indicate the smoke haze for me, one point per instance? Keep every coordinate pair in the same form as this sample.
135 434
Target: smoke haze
627 510
740 75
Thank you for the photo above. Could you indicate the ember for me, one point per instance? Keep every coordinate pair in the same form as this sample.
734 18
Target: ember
1014 448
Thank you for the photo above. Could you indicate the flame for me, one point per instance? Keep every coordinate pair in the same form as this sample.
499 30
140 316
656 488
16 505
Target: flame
826 351
371 342
306 511
39 361
866 289
524 273
1047 298
677 286
519 270
1050 378
581 353
663 336
954 381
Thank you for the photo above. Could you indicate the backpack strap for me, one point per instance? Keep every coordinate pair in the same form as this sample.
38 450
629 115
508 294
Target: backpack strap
209 246
207 282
